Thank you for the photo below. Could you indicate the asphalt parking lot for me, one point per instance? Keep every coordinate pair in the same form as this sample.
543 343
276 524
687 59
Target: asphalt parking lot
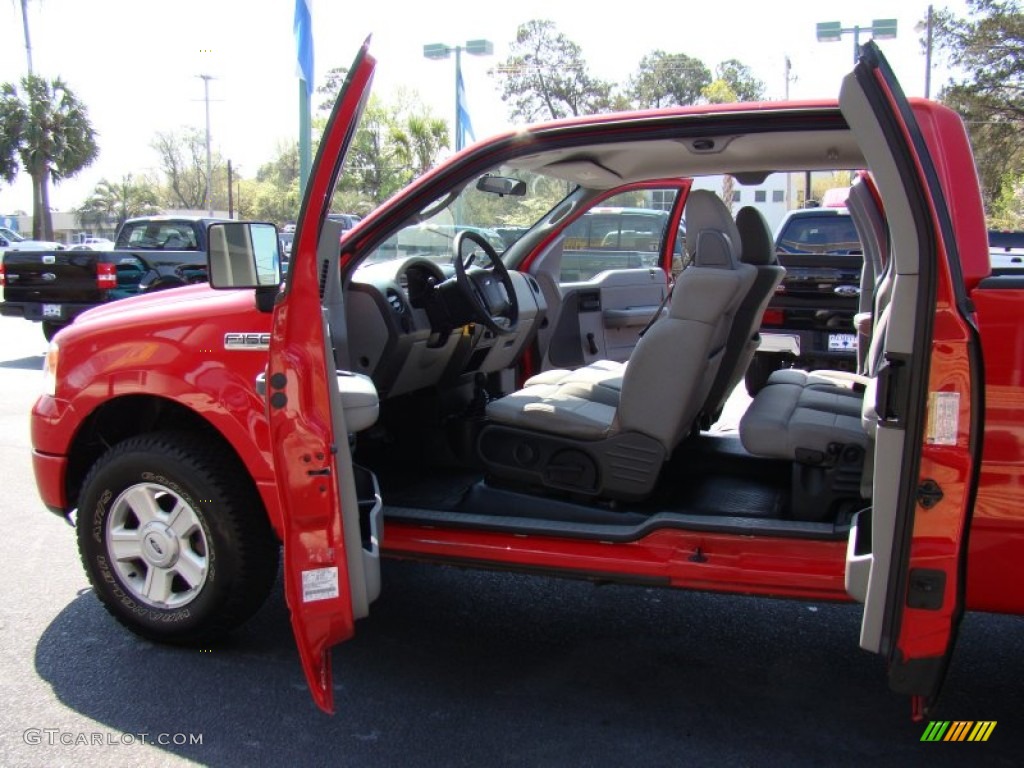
461 668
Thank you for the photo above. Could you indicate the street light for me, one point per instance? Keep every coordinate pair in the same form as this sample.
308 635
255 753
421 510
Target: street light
880 29
442 51
209 165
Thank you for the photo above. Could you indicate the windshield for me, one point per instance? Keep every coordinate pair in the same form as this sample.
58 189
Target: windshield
501 219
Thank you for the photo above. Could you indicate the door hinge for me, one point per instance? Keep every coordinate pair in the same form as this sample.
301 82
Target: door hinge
929 493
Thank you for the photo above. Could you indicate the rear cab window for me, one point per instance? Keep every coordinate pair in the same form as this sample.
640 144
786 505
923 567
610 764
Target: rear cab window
824 233
162 235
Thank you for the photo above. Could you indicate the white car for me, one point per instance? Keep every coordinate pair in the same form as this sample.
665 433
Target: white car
94 244
12 241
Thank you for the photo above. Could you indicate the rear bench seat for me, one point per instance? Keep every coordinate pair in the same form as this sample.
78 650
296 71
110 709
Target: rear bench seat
825 426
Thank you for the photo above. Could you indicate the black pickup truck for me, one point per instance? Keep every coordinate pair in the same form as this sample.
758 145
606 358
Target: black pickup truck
809 321
150 253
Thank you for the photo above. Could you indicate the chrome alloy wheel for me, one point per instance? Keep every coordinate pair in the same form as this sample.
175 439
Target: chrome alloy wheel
158 545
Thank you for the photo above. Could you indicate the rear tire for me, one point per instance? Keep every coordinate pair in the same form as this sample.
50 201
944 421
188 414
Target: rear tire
50 329
174 538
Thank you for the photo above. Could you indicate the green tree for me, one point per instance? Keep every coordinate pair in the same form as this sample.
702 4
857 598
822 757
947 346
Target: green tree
330 88
419 138
274 194
1007 210
45 128
545 76
987 48
183 162
111 203
741 80
667 79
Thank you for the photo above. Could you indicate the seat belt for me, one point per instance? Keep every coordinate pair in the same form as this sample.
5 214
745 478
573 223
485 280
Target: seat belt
668 297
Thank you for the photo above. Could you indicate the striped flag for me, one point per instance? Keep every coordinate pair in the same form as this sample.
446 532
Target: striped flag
303 28
465 124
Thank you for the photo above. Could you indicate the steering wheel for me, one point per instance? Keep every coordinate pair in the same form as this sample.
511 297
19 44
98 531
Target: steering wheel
490 293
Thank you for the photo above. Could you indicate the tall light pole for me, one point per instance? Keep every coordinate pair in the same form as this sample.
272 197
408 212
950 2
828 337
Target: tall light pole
442 51
880 29
209 163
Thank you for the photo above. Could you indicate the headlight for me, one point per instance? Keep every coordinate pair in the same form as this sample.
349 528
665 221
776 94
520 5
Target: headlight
50 370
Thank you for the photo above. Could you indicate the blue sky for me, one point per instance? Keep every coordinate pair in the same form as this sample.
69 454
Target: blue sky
135 62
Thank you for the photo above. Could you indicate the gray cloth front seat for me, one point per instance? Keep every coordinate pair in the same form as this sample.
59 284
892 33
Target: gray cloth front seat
601 381
552 435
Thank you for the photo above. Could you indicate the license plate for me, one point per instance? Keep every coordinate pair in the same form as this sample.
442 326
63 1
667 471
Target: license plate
52 310
839 342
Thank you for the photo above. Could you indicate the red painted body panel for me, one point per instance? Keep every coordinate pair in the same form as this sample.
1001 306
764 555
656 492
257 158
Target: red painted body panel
718 562
996 542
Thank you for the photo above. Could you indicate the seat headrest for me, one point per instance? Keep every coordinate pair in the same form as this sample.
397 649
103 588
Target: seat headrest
712 239
756 241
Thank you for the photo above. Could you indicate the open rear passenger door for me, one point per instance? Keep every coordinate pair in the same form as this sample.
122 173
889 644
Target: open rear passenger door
906 559
331 566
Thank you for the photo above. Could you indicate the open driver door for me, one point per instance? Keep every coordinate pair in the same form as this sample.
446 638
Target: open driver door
331 560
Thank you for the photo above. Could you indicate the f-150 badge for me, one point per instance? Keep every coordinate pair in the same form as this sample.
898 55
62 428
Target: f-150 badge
247 341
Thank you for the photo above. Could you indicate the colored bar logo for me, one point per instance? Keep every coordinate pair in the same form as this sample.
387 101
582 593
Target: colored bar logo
959 730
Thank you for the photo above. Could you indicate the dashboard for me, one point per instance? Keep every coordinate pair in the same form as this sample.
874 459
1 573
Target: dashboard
406 335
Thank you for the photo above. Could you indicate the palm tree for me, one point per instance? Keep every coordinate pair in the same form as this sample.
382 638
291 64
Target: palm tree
111 203
419 141
47 128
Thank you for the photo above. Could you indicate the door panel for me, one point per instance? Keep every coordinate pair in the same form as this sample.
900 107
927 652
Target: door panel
328 579
923 408
607 275
610 312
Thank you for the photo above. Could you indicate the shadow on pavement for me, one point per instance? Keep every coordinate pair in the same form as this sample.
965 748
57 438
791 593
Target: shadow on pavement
487 669
31 363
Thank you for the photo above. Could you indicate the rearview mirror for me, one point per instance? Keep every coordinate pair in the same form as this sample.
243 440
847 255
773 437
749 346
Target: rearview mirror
502 185
243 255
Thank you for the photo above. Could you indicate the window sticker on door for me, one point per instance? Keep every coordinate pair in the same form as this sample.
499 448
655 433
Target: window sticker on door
943 418
319 584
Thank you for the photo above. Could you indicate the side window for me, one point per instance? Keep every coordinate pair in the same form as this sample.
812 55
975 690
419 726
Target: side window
625 231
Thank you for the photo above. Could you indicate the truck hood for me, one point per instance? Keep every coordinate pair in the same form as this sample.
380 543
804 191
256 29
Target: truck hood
192 304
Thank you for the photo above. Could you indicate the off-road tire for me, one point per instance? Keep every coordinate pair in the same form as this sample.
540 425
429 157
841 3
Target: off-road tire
229 525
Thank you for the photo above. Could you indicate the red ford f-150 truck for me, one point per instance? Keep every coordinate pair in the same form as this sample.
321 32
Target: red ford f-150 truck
477 409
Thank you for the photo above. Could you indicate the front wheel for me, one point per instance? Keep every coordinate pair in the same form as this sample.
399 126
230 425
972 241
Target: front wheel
174 538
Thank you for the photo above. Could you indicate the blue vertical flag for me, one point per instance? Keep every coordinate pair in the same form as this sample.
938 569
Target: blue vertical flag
303 28
465 127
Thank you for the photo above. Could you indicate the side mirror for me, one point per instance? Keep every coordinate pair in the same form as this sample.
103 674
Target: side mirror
243 255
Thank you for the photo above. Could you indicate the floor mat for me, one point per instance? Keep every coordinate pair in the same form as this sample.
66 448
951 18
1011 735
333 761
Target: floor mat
731 496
